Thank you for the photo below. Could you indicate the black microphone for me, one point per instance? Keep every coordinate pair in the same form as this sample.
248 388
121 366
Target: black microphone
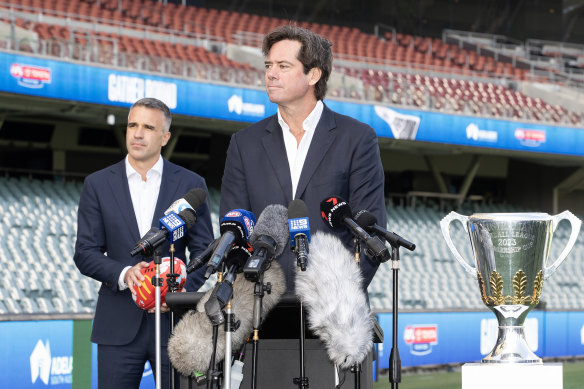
200 260
223 292
299 228
172 226
336 212
368 221
235 228
268 240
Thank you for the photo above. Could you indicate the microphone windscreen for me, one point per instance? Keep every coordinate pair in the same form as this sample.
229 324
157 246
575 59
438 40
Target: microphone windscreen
189 216
365 219
195 197
338 312
272 222
191 344
297 209
334 210
239 221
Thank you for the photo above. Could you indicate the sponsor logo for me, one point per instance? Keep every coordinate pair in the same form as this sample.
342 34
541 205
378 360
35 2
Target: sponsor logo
172 221
298 224
127 89
233 214
48 369
474 133
490 332
421 338
402 126
30 76
530 138
236 104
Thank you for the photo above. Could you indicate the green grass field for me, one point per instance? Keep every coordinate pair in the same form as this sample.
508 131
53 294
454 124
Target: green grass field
573 379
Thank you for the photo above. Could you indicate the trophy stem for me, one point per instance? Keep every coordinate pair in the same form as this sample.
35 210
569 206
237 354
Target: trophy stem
511 347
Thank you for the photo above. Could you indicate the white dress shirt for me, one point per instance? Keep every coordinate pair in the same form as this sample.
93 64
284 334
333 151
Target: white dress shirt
144 196
295 151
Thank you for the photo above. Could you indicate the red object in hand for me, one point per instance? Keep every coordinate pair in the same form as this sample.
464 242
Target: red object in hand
145 297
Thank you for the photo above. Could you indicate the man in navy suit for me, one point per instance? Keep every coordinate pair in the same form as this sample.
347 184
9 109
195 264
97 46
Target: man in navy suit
305 151
118 205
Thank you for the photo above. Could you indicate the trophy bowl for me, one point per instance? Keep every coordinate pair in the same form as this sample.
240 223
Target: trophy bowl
510 264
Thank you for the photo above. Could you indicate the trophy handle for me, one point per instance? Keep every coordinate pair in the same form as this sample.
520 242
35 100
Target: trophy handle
445 227
575 223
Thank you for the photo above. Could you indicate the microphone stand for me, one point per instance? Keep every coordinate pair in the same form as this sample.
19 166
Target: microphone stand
258 292
394 357
230 326
172 287
157 281
302 381
212 372
356 368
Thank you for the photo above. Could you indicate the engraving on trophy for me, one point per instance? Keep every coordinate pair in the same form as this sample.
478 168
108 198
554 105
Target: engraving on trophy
519 288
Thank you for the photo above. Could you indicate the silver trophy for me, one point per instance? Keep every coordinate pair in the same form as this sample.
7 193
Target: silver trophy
511 258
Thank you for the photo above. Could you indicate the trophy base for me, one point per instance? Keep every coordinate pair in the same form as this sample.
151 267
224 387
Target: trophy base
511 347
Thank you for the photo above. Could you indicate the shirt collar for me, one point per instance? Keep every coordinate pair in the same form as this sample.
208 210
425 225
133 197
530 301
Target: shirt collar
309 124
158 166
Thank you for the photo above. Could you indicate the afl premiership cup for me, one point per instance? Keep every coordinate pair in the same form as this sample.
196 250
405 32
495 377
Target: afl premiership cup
510 263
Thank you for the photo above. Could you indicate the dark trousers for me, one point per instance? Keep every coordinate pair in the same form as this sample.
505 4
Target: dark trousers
121 367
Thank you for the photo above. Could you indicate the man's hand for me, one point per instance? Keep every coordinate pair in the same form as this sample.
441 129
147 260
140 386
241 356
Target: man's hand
133 277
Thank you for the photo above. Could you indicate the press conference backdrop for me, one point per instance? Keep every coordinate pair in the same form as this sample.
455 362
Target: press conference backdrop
33 76
57 354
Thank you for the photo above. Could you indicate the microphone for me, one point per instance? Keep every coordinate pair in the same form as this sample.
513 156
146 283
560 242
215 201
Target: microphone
368 221
235 228
200 260
299 228
337 308
224 290
191 344
268 240
336 212
172 226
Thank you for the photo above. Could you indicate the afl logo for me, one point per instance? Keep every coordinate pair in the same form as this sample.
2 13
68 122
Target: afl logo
233 214
248 224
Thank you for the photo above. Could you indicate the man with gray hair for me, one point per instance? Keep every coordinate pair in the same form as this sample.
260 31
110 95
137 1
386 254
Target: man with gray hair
118 205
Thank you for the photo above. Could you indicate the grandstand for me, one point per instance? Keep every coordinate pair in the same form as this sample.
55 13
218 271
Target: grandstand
461 72
387 67
38 232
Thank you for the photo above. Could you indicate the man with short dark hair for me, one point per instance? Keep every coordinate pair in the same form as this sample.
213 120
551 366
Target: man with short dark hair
305 151
118 205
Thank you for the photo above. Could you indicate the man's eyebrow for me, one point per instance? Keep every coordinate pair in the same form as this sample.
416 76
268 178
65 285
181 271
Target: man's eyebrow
278 62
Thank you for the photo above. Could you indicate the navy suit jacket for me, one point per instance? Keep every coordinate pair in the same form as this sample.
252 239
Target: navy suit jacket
343 160
107 231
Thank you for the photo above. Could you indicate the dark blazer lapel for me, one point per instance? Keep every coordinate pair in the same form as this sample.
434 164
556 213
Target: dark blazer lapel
274 148
322 139
123 197
168 190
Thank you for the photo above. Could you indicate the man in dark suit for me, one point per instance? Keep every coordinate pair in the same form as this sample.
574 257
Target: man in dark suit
118 205
305 151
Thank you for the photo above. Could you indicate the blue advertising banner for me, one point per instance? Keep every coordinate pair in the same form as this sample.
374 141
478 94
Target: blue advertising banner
91 84
460 337
36 354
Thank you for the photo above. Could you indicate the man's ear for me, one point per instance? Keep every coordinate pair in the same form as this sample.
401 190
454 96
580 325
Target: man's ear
165 138
314 75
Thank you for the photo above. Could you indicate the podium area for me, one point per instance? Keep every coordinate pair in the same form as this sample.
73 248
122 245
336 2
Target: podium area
512 376
279 351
